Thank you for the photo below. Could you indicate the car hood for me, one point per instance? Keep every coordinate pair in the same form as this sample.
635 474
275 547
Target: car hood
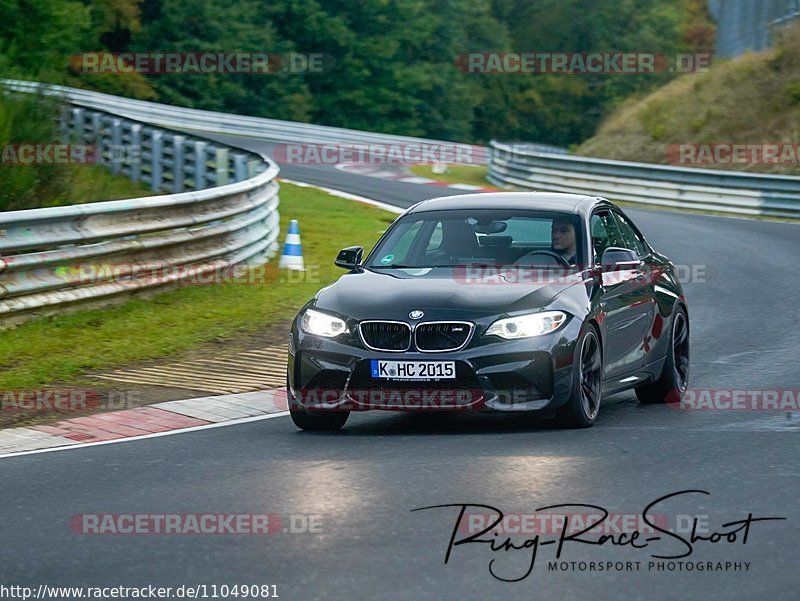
440 292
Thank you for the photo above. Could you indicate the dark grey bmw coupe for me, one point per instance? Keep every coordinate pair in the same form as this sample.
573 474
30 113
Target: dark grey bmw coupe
493 302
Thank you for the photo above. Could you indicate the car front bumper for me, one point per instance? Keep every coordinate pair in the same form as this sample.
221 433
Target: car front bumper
532 374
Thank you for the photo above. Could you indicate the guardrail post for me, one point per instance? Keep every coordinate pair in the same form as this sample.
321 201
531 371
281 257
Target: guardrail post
116 145
199 165
135 154
252 168
64 124
97 129
222 166
77 124
156 158
178 164
239 167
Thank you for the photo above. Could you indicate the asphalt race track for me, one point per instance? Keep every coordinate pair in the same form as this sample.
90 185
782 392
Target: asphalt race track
362 483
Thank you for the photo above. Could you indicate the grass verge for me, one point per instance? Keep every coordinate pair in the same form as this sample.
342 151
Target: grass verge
94 183
61 348
751 99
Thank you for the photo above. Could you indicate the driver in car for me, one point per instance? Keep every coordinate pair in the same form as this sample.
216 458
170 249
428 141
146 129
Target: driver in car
562 233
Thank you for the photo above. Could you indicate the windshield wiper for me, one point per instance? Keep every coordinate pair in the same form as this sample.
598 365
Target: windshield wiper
471 264
398 267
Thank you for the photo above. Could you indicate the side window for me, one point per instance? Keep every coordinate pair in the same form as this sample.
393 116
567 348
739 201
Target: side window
604 233
632 239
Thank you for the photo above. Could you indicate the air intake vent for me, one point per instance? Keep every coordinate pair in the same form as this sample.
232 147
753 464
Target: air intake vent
442 336
386 335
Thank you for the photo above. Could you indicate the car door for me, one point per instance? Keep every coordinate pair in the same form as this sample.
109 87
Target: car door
634 241
626 301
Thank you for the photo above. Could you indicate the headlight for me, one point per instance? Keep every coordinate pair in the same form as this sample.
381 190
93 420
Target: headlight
322 324
525 326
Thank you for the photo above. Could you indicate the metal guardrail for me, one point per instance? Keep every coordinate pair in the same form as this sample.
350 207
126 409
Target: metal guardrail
52 258
749 25
727 192
167 161
226 123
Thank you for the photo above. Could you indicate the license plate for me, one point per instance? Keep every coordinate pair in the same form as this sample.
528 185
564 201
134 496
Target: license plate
414 370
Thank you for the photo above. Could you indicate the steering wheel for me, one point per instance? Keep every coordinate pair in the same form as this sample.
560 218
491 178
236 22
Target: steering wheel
550 253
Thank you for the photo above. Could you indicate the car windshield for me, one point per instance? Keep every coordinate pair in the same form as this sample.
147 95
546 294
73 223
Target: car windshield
452 238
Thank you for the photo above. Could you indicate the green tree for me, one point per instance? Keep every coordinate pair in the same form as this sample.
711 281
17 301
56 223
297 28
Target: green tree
567 108
391 65
38 36
208 26
29 119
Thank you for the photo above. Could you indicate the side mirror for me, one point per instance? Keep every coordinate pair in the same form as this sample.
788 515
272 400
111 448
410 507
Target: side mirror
350 257
620 258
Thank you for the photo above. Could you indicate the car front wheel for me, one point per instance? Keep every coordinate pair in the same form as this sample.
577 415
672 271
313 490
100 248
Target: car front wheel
319 420
581 409
315 421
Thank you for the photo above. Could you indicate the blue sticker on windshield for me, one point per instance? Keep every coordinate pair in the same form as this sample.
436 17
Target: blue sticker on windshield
387 259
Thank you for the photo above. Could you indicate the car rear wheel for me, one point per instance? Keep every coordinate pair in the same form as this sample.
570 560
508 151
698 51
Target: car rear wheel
581 409
674 379
315 421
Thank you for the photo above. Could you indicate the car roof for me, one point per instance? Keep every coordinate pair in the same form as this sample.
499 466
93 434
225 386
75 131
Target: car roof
579 204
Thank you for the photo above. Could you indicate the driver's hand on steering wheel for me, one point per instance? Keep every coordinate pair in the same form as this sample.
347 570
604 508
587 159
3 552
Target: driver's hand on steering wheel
544 258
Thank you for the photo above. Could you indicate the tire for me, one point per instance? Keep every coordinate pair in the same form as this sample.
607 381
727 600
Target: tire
671 385
315 421
581 410
319 421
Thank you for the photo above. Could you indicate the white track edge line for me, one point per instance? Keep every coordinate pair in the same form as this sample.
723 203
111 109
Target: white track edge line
79 445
